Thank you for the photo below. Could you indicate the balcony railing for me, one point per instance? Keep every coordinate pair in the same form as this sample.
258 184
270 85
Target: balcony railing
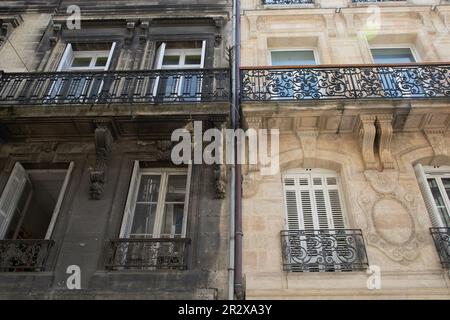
147 254
409 81
24 255
441 237
269 2
323 250
148 86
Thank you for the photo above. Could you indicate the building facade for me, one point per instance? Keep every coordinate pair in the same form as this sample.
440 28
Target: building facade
92 206
360 93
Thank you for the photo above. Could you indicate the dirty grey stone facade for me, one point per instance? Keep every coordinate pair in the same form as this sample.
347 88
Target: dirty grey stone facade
102 139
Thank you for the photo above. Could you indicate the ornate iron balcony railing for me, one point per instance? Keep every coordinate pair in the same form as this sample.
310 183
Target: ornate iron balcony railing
441 237
412 81
24 255
147 254
286 1
323 250
148 86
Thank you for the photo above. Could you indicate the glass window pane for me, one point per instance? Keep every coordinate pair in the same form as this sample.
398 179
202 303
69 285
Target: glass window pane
196 59
176 188
171 60
172 224
143 220
149 188
101 61
293 58
392 55
81 62
438 199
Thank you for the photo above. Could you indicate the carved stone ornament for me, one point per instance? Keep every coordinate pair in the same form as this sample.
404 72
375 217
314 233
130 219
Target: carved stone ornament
385 132
436 139
390 225
7 24
220 176
366 135
103 145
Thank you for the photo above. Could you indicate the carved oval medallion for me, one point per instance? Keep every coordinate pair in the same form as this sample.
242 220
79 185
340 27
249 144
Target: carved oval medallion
392 221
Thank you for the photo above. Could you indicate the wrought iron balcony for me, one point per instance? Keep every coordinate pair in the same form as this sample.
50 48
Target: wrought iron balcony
24 255
441 237
409 81
269 2
323 250
147 254
148 86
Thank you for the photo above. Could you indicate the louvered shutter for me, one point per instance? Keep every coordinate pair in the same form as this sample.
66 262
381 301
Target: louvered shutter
10 196
291 203
436 220
129 206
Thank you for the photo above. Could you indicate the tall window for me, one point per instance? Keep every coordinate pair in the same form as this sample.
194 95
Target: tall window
30 202
179 55
313 201
434 183
157 203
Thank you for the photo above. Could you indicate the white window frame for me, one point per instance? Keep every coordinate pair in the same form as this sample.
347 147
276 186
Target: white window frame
317 172
395 46
314 50
56 209
128 216
69 56
437 172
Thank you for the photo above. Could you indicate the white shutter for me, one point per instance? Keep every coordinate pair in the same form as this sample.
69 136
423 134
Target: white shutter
291 203
428 196
159 57
111 52
202 61
66 59
10 196
131 199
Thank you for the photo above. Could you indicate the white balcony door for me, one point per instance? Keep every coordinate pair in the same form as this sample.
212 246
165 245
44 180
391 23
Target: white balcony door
171 56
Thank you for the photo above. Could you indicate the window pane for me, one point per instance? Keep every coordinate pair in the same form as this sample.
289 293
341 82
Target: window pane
176 188
446 182
438 199
171 60
172 223
143 220
81 62
292 58
196 59
149 188
101 61
392 55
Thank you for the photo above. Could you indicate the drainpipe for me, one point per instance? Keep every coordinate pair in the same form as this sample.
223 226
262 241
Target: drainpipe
236 123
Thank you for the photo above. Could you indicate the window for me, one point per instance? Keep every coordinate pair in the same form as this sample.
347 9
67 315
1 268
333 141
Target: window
30 202
157 203
294 83
81 58
398 81
178 56
434 183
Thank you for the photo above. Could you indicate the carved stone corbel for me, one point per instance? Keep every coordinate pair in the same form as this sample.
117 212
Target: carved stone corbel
385 131
366 135
103 146
435 138
308 140
7 24
219 22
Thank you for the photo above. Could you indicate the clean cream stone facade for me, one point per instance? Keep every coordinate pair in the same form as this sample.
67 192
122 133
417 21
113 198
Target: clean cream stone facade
372 145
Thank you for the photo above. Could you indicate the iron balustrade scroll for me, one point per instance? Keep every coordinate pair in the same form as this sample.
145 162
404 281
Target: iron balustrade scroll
105 87
410 81
275 2
24 255
147 254
441 237
326 250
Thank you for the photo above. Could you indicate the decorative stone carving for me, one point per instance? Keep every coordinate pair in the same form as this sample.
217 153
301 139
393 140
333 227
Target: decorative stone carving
436 139
220 177
219 22
390 212
103 145
385 132
7 24
164 150
367 132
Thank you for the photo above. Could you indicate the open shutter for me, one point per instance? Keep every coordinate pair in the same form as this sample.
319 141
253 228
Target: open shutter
291 203
159 57
202 61
66 59
10 196
111 52
436 220
334 203
129 207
